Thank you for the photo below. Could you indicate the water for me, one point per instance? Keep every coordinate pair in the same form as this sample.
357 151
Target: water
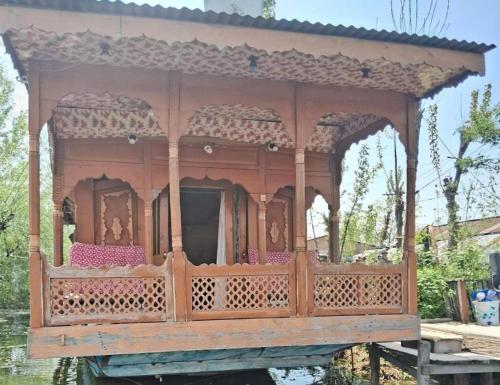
17 369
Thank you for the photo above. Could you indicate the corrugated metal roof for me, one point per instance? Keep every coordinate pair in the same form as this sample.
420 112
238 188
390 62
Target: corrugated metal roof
185 14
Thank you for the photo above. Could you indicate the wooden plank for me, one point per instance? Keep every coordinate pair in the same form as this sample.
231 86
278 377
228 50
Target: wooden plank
357 311
470 330
237 269
223 334
358 268
443 342
462 368
238 314
487 379
207 366
463 301
141 271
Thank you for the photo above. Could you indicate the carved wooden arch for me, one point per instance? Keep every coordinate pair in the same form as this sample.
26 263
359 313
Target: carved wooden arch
246 179
373 129
57 80
103 115
312 192
71 180
316 102
247 123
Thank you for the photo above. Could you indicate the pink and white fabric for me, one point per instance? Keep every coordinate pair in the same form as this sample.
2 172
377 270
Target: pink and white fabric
277 257
87 255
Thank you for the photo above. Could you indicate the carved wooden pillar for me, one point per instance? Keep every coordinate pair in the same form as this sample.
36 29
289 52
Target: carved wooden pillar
300 201
35 260
57 210
57 226
148 209
334 240
262 230
175 196
411 259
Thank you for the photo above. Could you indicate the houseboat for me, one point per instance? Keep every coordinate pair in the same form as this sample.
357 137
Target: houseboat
186 147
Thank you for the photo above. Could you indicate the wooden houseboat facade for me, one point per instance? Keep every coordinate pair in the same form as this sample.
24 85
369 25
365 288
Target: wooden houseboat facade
186 149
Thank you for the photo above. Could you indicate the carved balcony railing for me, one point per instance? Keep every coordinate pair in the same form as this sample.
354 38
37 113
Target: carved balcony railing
357 289
75 295
180 291
240 291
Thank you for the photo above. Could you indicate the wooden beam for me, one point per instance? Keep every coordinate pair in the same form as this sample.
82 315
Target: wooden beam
262 241
57 200
112 339
35 261
463 301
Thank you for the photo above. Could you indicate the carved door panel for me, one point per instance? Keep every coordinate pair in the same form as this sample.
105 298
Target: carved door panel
116 216
277 225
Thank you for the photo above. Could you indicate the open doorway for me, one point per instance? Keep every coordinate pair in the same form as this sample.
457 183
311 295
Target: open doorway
200 211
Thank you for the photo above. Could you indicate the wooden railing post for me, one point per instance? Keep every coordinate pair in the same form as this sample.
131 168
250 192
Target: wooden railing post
148 203
57 211
262 240
35 260
334 239
304 284
180 297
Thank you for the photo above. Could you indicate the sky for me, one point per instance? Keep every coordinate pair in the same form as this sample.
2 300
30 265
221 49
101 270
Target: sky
468 20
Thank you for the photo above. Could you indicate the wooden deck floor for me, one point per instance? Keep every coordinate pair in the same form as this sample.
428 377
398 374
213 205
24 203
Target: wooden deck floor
478 339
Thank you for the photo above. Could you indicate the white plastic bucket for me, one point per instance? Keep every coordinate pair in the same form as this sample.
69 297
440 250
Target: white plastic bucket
487 313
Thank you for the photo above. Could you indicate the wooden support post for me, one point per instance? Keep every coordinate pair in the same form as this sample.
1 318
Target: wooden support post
57 210
463 301
334 240
300 201
411 258
374 365
424 358
461 379
175 196
148 204
487 379
179 274
57 226
303 286
35 260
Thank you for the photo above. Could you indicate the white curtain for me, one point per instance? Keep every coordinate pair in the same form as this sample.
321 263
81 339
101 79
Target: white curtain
221 237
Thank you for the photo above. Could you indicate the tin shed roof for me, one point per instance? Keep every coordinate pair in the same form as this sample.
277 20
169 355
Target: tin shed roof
196 15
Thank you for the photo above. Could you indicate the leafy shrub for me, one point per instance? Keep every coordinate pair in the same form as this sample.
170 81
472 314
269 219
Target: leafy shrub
432 289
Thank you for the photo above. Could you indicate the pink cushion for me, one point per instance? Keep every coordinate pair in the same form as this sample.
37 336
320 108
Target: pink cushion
276 257
87 255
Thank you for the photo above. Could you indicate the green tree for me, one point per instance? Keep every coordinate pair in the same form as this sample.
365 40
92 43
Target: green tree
483 128
269 9
14 200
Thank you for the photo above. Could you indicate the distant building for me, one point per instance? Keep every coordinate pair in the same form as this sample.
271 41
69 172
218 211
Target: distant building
485 231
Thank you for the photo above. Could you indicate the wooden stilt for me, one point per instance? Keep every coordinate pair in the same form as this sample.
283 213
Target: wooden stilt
374 365
487 379
460 379
424 355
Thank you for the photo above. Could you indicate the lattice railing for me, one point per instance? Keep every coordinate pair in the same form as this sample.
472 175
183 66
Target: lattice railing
100 295
357 289
240 291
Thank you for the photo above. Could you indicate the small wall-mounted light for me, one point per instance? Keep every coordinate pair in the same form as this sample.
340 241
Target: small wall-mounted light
365 72
252 65
132 138
273 147
208 149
